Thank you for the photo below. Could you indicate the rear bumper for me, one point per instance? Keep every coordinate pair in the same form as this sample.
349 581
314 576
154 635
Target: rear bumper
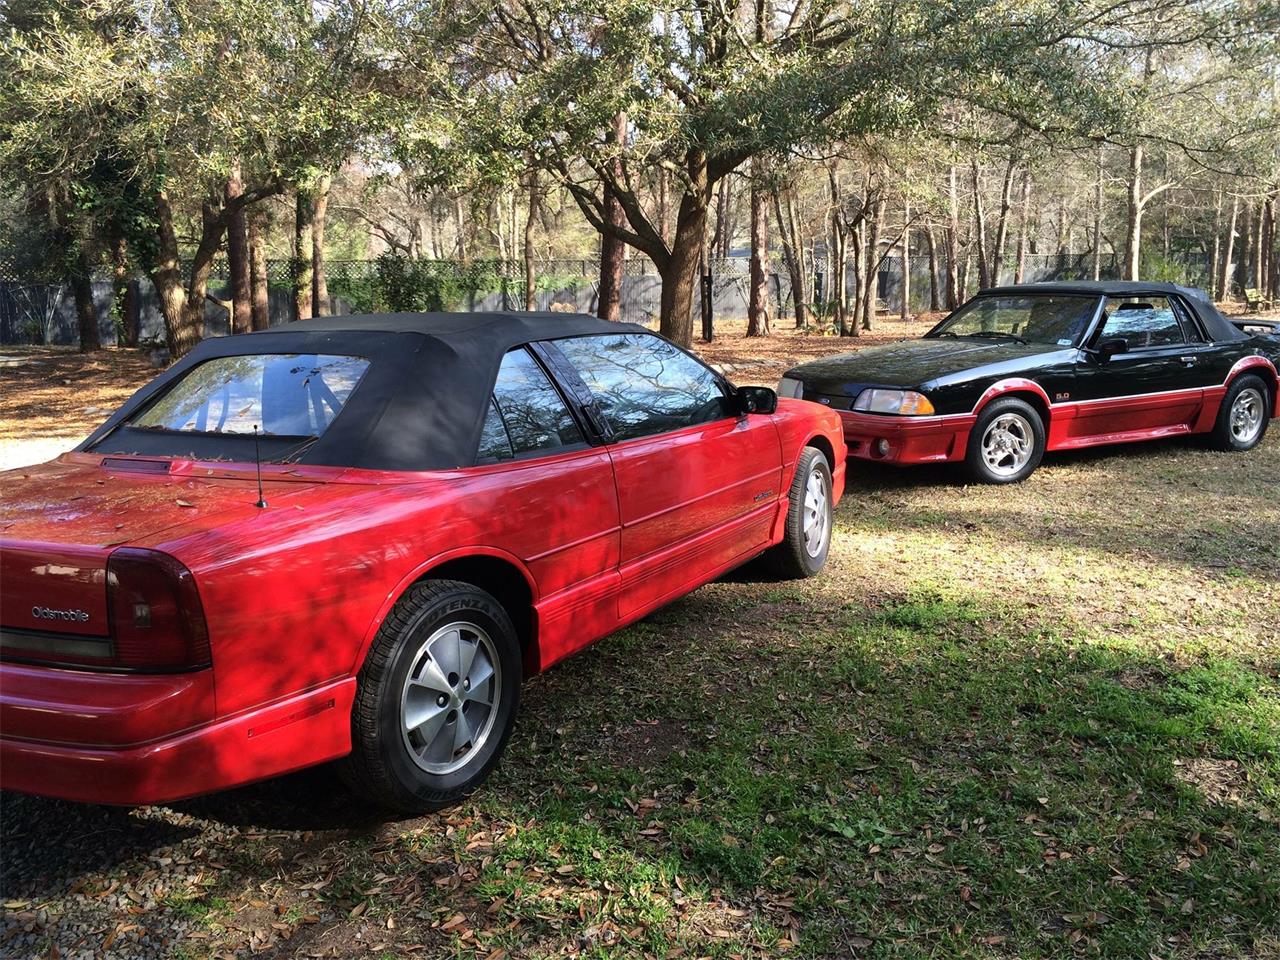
290 734
906 440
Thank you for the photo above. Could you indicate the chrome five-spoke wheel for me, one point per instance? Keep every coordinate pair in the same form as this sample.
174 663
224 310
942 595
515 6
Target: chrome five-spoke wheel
1007 444
816 523
450 697
1247 415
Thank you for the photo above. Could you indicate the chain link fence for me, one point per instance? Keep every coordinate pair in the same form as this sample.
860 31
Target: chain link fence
36 311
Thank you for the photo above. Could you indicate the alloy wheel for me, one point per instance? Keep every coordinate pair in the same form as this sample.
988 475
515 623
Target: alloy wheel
1007 444
816 522
1246 415
450 697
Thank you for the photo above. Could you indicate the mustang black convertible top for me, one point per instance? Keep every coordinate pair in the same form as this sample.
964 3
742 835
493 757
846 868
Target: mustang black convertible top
1215 324
420 405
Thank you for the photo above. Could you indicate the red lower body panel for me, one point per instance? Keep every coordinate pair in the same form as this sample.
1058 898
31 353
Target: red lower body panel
297 732
906 440
909 440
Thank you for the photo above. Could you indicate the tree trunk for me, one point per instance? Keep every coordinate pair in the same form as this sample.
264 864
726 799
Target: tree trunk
935 291
1259 227
680 272
1133 225
181 332
259 290
319 275
459 224
954 295
664 213
238 253
1002 226
1243 280
980 226
836 256
1097 217
1215 254
213 225
905 309
791 257
1024 219
1225 273
303 257
124 293
758 308
86 313
872 275
721 240
1266 280
612 248
530 222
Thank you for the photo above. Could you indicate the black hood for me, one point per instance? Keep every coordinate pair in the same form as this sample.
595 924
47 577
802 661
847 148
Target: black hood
909 364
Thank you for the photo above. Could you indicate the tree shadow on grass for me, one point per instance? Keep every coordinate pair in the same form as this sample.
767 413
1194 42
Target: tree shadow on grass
950 776
936 775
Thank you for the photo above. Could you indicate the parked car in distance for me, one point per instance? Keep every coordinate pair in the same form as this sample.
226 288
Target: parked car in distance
353 537
1021 370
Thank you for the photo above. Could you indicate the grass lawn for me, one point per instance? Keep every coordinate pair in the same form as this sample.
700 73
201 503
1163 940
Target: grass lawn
1006 722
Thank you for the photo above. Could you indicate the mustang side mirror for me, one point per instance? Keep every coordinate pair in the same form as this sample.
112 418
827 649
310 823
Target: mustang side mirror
1106 349
755 400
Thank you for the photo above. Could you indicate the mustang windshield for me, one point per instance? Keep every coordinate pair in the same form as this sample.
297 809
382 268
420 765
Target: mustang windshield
1056 320
282 394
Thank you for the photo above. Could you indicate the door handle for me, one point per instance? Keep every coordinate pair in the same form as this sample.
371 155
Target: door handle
1189 361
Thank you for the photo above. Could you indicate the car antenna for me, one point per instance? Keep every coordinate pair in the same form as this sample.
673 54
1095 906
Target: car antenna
257 462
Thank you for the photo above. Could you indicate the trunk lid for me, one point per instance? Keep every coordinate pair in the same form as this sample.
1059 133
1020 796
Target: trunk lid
60 521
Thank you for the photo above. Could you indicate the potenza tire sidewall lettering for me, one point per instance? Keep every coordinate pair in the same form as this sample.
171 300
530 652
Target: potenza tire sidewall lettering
401 782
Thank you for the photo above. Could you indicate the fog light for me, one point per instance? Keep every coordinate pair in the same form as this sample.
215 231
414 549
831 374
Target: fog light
882 448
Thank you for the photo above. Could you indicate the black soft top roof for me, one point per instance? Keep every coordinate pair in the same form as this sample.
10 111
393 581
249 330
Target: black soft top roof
419 406
1215 324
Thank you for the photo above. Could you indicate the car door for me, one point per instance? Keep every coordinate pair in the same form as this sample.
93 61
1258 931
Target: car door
697 485
1153 386
547 493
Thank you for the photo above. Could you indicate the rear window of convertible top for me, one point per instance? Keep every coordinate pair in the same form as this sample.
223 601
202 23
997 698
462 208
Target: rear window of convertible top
282 394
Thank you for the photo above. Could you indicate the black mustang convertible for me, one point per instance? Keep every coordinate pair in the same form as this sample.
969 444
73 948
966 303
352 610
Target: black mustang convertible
1022 369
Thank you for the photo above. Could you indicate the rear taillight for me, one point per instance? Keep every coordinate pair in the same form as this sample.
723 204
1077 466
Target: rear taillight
157 621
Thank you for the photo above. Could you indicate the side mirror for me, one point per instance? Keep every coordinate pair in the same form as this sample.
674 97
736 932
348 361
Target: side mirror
755 400
1106 349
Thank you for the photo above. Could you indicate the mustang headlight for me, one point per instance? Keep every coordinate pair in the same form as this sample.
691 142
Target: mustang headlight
906 403
787 387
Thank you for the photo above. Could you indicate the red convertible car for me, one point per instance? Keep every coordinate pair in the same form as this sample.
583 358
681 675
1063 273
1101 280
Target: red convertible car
354 537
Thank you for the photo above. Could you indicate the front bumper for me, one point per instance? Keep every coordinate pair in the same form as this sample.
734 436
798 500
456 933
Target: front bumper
884 438
76 752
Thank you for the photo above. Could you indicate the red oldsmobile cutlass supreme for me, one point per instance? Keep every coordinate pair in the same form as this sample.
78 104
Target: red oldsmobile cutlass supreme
446 504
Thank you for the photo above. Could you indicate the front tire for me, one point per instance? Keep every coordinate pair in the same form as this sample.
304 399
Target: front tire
1007 442
807 540
1243 416
436 699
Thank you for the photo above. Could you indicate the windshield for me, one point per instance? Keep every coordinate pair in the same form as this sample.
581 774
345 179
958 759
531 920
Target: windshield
1056 320
282 394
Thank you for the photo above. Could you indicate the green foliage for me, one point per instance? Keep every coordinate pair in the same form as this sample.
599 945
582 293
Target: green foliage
398 283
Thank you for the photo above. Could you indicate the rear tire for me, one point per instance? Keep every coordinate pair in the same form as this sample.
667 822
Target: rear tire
807 540
1007 442
1243 416
436 699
